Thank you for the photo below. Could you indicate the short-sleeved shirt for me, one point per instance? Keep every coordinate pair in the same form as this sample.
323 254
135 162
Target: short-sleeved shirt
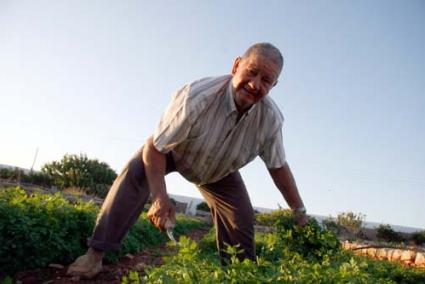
206 140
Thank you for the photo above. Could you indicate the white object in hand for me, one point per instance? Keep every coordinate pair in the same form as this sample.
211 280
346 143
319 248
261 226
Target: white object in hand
169 226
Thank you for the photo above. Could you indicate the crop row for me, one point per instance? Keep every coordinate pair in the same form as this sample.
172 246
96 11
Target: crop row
39 229
288 254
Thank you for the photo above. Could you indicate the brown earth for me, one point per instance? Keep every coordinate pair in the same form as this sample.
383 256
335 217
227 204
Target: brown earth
111 273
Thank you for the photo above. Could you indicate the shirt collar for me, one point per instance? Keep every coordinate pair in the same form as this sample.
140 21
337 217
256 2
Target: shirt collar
230 102
231 106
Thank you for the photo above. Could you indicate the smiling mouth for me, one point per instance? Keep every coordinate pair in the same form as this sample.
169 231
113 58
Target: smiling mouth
250 93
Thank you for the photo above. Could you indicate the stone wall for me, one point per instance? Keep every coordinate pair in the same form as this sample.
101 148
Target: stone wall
409 256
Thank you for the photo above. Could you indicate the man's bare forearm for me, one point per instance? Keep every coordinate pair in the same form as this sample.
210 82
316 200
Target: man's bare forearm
155 163
285 182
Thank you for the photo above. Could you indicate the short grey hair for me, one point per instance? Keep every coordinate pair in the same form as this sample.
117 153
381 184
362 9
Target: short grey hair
267 50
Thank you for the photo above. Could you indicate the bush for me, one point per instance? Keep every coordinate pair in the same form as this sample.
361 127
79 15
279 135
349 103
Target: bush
270 218
419 237
351 221
37 178
386 232
18 175
39 229
331 225
79 171
277 262
203 206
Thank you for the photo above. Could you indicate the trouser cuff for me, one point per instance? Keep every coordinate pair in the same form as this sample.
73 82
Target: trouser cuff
103 246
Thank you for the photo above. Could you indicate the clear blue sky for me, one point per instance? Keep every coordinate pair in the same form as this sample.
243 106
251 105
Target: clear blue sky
95 76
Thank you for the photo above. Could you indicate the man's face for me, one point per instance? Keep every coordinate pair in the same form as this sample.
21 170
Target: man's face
253 78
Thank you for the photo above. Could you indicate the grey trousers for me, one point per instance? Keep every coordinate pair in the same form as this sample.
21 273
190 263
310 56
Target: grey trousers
227 198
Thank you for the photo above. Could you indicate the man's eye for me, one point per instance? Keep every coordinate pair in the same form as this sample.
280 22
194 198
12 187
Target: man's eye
267 81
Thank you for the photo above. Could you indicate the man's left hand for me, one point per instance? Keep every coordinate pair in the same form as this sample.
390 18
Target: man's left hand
301 219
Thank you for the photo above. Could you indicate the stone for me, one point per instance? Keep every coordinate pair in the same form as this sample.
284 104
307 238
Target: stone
408 255
396 255
390 254
381 253
140 266
371 252
420 259
129 256
347 245
55 265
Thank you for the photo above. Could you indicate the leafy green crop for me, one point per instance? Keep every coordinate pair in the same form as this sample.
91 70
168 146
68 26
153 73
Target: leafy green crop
289 254
39 229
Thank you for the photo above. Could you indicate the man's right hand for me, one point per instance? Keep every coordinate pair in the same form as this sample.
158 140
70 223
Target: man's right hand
155 164
161 210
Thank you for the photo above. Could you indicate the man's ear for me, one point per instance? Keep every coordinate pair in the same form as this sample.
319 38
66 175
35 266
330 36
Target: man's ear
236 65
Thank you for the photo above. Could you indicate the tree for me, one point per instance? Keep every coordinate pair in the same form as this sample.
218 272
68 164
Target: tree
351 221
203 206
92 176
387 233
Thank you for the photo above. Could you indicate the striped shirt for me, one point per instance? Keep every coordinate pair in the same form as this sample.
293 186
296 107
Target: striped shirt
200 127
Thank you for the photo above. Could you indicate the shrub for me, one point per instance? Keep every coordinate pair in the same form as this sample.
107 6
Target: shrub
37 178
203 206
270 218
18 175
419 237
276 263
386 232
79 171
351 221
38 229
331 225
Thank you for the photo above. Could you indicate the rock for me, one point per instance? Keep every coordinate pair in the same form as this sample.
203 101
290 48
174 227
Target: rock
381 253
56 265
371 252
129 256
390 254
346 245
263 229
396 255
420 259
140 266
408 255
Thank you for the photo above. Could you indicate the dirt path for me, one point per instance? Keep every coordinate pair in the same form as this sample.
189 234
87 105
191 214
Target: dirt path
111 273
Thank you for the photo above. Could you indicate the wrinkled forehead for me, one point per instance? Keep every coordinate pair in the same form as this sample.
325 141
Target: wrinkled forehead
265 62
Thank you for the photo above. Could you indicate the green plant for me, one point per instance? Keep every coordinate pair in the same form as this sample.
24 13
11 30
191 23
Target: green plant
351 221
18 175
203 206
386 232
79 171
276 263
38 229
331 225
270 218
419 237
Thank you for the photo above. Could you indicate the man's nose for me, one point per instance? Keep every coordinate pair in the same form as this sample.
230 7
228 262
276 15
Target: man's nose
254 83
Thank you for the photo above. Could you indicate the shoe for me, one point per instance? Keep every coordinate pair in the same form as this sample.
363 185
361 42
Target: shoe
87 265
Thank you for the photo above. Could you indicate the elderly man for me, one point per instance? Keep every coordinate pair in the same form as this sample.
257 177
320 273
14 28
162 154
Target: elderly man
211 129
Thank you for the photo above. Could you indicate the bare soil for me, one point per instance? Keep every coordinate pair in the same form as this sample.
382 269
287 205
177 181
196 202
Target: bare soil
111 273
